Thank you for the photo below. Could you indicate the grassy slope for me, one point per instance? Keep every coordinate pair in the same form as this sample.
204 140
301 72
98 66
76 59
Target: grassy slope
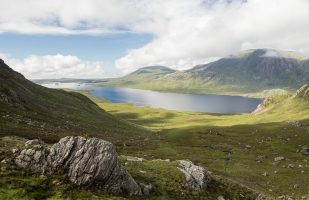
32 111
205 139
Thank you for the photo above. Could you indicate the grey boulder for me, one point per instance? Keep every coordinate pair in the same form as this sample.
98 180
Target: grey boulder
90 162
33 157
197 177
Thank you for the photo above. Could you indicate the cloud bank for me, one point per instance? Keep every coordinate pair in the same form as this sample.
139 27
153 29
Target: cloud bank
185 32
55 66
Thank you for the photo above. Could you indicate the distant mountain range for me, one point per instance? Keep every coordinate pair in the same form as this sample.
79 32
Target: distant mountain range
249 72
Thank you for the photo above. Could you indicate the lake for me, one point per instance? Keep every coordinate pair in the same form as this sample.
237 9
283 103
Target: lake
222 104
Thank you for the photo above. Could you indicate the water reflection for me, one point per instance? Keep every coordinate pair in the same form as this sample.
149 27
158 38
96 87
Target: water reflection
177 101
172 101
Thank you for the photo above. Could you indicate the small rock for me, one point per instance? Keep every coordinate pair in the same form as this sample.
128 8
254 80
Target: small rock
56 182
43 176
278 159
15 150
220 198
135 159
146 189
196 176
248 146
264 174
304 150
290 165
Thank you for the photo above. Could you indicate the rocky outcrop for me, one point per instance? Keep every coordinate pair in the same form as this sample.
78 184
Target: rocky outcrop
196 176
90 163
303 92
33 157
261 107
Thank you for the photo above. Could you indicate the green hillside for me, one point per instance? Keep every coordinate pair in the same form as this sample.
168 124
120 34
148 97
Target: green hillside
254 140
250 72
33 111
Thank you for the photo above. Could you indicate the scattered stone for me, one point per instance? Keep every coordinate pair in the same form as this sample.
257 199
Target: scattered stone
305 150
290 165
56 182
135 159
146 189
90 163
220 198
264 174
15 150
295 123
305 197
248 146
196 176
295 186
42 176
278 159
166 160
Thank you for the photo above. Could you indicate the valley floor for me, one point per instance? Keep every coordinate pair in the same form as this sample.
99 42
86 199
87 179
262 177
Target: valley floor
240 147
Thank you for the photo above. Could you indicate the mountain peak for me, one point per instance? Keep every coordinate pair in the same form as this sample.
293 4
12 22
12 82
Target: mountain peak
273 53
153 70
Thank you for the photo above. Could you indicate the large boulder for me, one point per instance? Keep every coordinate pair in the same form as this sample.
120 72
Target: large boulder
197 177
90 162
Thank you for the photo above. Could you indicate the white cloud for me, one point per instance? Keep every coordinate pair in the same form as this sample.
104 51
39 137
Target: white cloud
195 33
55 66
185 32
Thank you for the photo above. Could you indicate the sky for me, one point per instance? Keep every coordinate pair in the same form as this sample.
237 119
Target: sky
110 38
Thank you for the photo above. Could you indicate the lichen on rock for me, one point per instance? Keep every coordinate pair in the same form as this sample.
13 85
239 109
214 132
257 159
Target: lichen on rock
89 162
197 177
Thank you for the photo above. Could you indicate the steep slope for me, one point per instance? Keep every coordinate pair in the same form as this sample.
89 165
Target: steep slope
250 72
30 110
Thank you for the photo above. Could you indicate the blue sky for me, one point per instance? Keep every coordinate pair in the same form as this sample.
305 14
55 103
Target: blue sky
107 48
107 38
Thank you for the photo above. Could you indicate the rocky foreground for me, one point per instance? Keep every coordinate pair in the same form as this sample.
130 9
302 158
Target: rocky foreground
93 163
90 163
